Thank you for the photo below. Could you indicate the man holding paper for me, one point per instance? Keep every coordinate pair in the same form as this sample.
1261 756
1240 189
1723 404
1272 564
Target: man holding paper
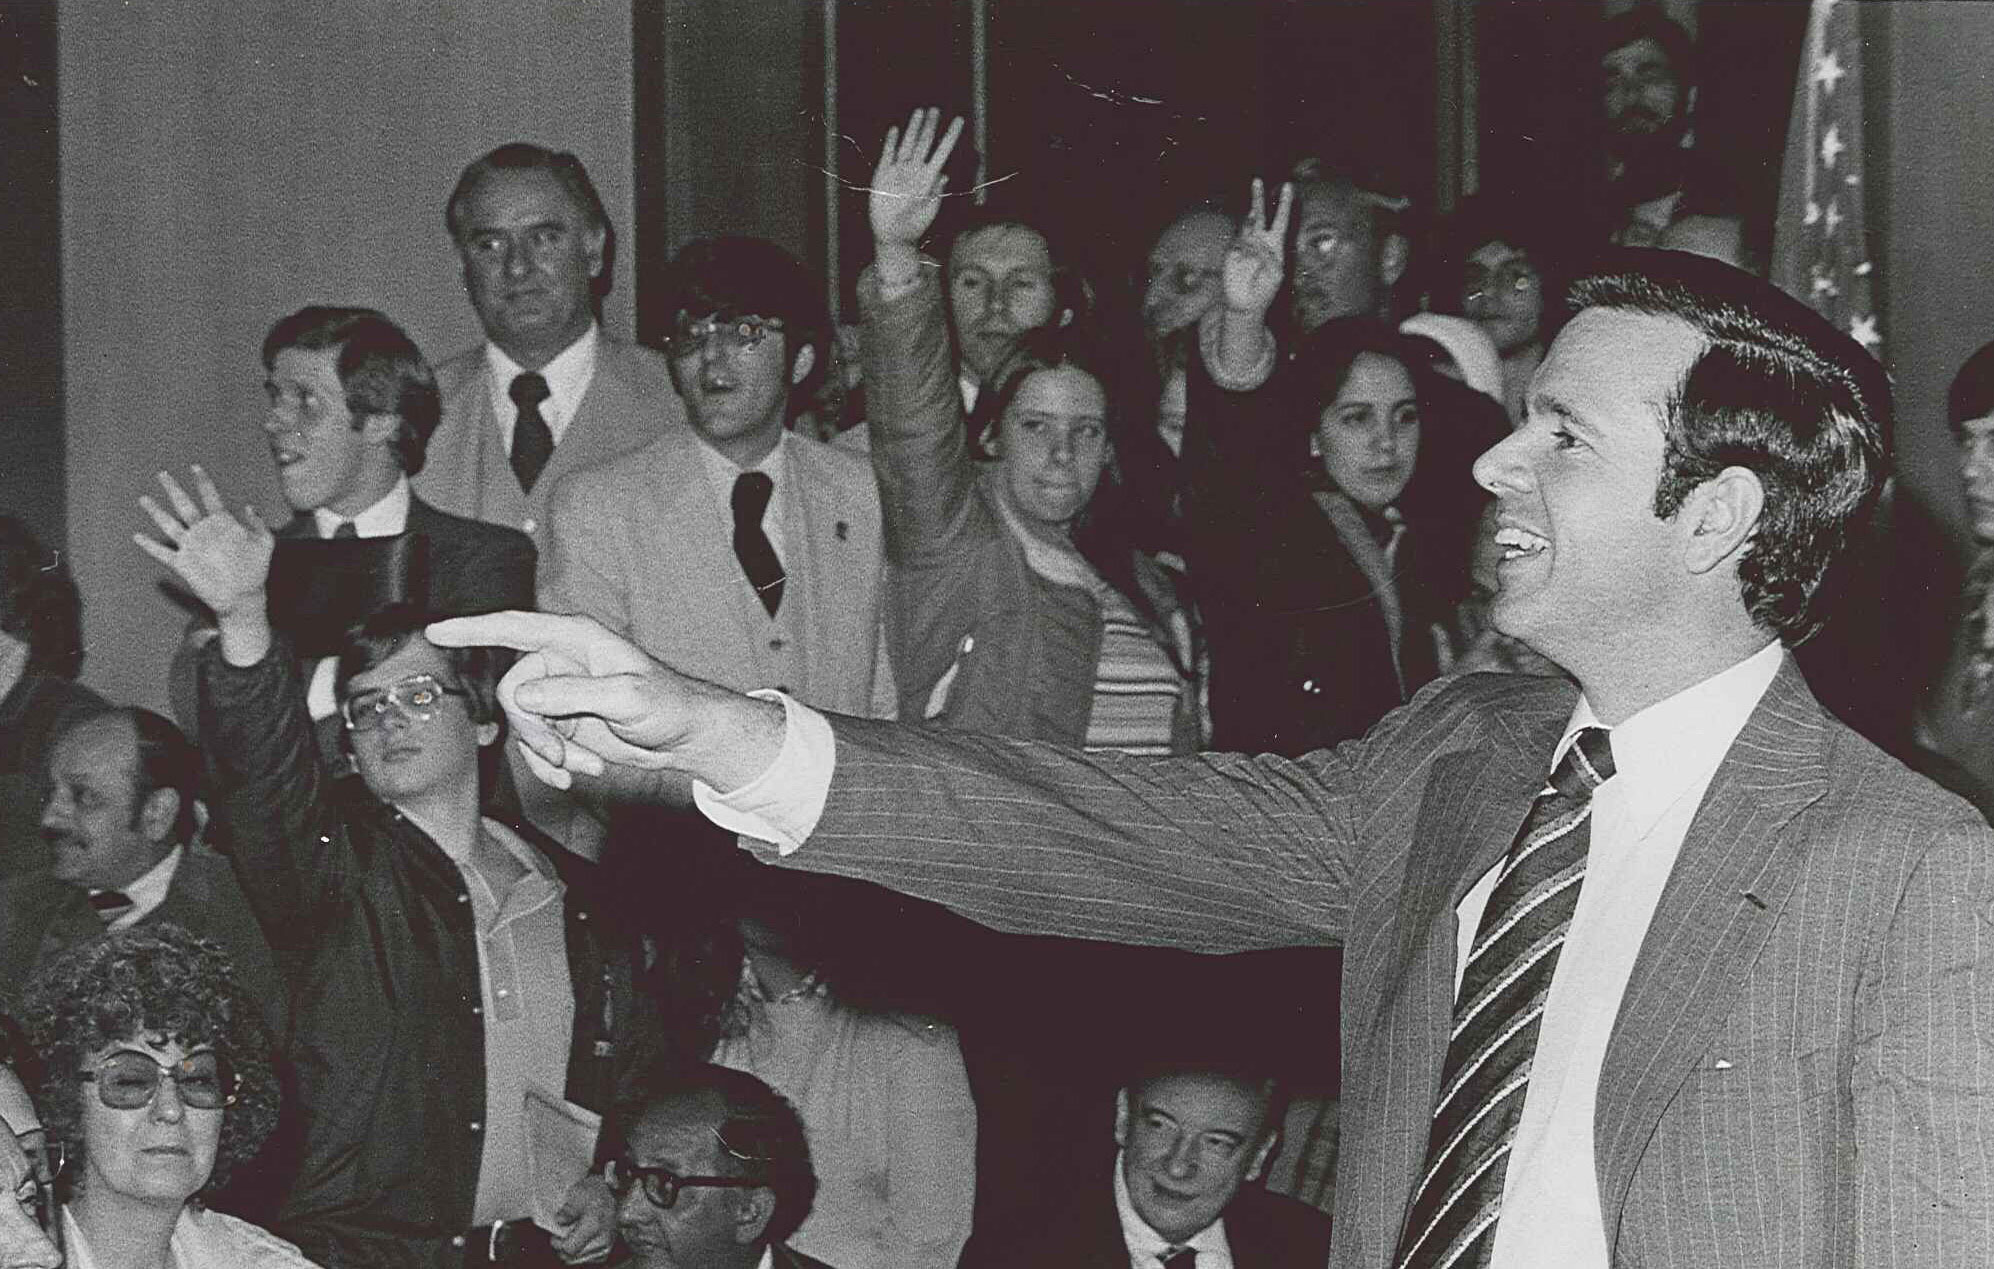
442 964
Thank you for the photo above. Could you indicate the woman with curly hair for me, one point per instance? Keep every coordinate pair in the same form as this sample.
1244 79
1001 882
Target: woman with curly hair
156 1085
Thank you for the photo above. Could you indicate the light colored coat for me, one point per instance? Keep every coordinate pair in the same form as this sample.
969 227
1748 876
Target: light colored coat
644 544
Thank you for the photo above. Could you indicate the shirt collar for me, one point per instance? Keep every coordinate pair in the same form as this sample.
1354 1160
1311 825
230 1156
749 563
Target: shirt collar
567 375
1144 1243
384 519
149 890
1675 744
723 471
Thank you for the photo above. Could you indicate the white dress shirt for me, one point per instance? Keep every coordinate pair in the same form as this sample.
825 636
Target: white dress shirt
1664 758
568 377
721 470
1147 1247
385 519
149 890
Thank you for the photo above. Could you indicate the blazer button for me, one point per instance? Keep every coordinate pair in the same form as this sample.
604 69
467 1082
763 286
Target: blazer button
456 1240
477 1126
463 898
528 525
777 644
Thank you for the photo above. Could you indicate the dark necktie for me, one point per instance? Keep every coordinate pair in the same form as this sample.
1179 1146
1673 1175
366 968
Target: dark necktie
110 904
532 439
1179 1258
345 531
752 490
1496 1018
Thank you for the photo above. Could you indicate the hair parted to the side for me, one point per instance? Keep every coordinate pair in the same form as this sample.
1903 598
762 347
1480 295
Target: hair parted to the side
760 1135
152 982
379 366
565 168
39 603
1232 1070
1777 390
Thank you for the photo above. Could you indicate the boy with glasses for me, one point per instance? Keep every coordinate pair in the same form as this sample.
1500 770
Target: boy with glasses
441 961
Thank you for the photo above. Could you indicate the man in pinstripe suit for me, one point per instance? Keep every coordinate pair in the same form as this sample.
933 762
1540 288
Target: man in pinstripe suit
1771 1039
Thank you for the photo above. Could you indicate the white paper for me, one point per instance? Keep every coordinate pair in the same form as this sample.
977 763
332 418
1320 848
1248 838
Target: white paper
560 1148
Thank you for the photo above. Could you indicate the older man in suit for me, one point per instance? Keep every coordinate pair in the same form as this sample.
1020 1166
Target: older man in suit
121 823
747 553
1195 1137
1768 1040
549 392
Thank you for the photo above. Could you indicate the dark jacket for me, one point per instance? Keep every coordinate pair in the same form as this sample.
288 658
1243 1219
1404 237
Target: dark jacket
373 925
1263 1229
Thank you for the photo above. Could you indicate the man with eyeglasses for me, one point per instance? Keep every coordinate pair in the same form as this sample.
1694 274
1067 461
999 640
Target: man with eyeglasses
441 961
735 545
1351 246
714 1174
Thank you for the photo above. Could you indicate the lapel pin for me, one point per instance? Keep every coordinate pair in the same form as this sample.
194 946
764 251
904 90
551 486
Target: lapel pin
843 530
1721 1064
1756 901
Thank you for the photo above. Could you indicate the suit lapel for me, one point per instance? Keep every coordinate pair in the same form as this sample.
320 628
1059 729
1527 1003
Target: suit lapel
1737 867
818 573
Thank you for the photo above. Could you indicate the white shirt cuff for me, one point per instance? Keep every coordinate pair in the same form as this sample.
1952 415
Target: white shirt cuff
782 805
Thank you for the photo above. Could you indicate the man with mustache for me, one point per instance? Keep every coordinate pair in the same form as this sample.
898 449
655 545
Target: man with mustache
1647 92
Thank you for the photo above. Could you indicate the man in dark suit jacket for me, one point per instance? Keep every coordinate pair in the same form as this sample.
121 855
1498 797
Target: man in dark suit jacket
121 822
1195 1138
549 392
1767 1042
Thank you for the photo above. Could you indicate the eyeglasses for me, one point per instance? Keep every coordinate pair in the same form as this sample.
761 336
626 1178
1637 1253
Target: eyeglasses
128 1079
662 1185
734 334
1184 279
1512 275
416 698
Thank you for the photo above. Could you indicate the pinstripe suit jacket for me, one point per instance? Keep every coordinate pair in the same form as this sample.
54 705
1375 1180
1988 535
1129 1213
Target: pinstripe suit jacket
1802 1070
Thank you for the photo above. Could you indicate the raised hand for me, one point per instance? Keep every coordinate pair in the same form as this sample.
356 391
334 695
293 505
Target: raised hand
907 185
225 561
1252 273
582 699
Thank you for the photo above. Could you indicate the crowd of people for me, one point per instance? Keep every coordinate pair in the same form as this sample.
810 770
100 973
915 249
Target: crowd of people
415 944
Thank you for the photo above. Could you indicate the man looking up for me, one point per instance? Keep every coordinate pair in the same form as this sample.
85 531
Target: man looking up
1698 447
733 544
441 963
550 391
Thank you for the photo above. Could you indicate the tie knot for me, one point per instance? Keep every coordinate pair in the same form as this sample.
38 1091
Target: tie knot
1586 765
1179 1258
529 389
110 904
752 490
346 530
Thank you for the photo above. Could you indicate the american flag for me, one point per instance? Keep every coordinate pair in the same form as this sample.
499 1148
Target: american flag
1820 240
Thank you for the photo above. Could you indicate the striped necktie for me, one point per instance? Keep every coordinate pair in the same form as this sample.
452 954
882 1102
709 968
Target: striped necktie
1496 1017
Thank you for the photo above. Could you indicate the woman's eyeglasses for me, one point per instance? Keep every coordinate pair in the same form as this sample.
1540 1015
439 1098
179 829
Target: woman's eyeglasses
128 1080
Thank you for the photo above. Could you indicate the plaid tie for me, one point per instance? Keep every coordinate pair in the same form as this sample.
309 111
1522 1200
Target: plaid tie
1496 1018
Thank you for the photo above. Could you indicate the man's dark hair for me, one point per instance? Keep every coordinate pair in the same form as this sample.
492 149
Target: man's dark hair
737 276
1645 21
1776 389
1390 207
389 631
1972 393
39 604
379 366
166 759
760 1135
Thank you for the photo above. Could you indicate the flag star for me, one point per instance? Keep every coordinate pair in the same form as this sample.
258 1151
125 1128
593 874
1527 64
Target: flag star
1831 145
1834 216
1828 71
1863 330
1813 213
1822 284
1862 271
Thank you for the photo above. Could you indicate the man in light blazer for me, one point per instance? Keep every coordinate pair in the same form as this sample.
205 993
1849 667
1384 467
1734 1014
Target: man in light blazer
1770 1042
652 544
536 243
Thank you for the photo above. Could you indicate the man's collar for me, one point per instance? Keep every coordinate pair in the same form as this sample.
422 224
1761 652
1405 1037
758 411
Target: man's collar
566 375
384 519
148 890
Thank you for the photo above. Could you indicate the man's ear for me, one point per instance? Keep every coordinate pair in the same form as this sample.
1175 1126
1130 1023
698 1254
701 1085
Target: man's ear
157 813
595 241
752 1216
1268 1144
1122 1118
380 429
1721 515
806 360
1392 257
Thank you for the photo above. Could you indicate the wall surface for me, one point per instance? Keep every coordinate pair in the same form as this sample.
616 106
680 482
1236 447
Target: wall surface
223 165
